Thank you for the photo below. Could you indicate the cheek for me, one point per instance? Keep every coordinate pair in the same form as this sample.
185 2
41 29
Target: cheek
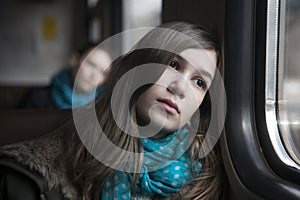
81 72
144 102
79 76
193 103
199 96
167 77
87 72
141 109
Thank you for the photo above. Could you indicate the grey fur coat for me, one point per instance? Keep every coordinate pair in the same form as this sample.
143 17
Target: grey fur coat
40 155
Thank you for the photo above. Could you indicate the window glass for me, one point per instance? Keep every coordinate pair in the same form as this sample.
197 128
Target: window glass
139 14
289 77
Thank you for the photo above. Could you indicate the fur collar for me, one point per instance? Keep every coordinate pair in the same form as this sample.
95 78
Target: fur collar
40 155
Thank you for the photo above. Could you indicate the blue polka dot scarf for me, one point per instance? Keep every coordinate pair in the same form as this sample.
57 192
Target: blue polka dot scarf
166 168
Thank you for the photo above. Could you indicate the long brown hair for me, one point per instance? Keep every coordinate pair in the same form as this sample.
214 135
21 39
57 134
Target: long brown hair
158 46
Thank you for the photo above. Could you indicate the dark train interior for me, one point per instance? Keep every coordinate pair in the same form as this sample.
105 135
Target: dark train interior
260 47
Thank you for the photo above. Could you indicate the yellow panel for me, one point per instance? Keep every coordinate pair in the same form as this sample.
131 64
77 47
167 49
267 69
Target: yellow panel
49 28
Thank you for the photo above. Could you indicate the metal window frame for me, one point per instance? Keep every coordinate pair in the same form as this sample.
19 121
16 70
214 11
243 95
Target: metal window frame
272 41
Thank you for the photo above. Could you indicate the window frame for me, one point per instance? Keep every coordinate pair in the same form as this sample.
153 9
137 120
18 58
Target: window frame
273 49
254 163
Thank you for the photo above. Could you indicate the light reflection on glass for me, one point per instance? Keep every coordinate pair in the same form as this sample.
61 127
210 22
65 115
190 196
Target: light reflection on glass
289 78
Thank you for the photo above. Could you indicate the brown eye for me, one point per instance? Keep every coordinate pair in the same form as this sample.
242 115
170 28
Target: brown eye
174 64
201 83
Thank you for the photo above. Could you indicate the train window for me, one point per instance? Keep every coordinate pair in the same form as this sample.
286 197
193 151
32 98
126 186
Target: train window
289 77
141 13
283 80
136 14
260 163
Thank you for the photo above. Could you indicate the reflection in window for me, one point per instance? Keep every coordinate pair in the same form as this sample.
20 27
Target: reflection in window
139 14
289 77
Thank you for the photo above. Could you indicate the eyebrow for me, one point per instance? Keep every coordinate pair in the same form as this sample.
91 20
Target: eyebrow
202 72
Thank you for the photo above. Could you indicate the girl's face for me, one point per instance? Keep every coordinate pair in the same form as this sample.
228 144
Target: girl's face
179 91
95 65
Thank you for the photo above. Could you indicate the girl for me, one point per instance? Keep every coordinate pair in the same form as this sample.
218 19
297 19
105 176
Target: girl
61 93
148 142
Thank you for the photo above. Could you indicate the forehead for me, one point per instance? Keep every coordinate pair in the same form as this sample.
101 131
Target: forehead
201 59
98 54
99 57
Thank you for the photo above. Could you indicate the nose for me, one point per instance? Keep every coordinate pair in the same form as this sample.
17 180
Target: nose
178 87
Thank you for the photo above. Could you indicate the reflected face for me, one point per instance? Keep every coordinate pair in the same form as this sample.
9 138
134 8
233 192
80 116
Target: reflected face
180 90
93 70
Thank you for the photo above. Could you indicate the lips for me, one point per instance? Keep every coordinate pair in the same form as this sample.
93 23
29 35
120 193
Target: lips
169 106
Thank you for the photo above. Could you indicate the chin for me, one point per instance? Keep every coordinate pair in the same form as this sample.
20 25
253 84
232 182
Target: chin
167 127
84 90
